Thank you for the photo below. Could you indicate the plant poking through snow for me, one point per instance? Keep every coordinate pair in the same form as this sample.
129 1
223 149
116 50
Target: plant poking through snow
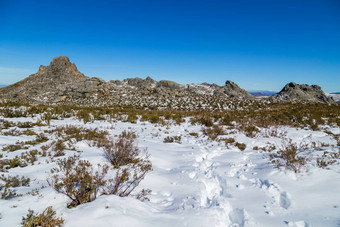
121 151
46 218
128 178
172 139
77 180
132 165
288 157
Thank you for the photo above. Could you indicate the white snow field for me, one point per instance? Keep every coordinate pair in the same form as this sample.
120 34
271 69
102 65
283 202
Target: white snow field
198 182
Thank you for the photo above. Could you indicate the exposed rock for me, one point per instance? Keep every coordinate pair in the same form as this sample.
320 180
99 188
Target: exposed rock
302 93
53 83
232 90
62 82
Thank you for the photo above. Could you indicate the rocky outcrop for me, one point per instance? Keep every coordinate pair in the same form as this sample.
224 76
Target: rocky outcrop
62 82
56 82
232 90
302 93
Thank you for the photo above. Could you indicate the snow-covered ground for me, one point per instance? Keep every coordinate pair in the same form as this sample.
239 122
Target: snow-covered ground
198 182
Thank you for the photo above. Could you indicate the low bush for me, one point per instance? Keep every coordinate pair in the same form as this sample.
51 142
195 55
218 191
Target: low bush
121 151
213 132
15 181
172 139
45 219
241 146
194 134
288 157
11 182
77 180
327 159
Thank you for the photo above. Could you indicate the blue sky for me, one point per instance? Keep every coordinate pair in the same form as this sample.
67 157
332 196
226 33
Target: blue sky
260 44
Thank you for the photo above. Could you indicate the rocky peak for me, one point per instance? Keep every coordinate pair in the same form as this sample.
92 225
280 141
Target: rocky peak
303 92
232 90
231 84
61 66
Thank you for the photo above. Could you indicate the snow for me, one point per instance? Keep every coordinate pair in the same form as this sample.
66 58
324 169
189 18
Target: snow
196 183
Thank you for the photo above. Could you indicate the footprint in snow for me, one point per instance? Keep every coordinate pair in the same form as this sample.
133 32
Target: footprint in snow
238 217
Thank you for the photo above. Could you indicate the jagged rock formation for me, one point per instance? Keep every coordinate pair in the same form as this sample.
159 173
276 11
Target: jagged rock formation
232 90
62 82
48 83
302 93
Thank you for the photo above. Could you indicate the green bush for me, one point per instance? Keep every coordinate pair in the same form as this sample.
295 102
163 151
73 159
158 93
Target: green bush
45 219
241 146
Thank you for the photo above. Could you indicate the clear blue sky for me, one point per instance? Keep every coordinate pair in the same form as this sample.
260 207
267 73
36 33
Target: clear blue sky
260 44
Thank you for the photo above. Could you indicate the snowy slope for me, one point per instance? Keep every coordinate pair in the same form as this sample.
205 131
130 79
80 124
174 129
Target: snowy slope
196 183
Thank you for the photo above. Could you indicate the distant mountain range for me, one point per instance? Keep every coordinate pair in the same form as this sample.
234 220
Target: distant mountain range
335 93
262 92
2 85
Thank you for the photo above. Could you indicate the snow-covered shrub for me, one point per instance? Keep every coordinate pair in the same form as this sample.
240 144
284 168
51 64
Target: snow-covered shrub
172 139
249 129
12 163
213 132
46 218
203 119
288 157
14 181
328 158
30 156
127 178
77 180
58 148
121 151
11 182
132 165
14 147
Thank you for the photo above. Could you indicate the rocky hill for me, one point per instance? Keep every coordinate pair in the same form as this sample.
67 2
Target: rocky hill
302 93
62 82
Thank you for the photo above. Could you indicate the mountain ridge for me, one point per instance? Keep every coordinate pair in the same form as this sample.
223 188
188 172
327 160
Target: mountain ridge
61 82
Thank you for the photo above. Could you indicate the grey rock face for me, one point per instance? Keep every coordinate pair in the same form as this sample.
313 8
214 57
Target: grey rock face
62 82
302 93
51 83
232 90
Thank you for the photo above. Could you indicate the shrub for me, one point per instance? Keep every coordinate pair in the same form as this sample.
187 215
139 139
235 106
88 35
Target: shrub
84 115
14 147
59 148
77 180
127 178
288 157
328 158
241 146
15 181
46 218
12 163
121 151
30 156
202 119
8 194
249 130
194 134
213 132
172 139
